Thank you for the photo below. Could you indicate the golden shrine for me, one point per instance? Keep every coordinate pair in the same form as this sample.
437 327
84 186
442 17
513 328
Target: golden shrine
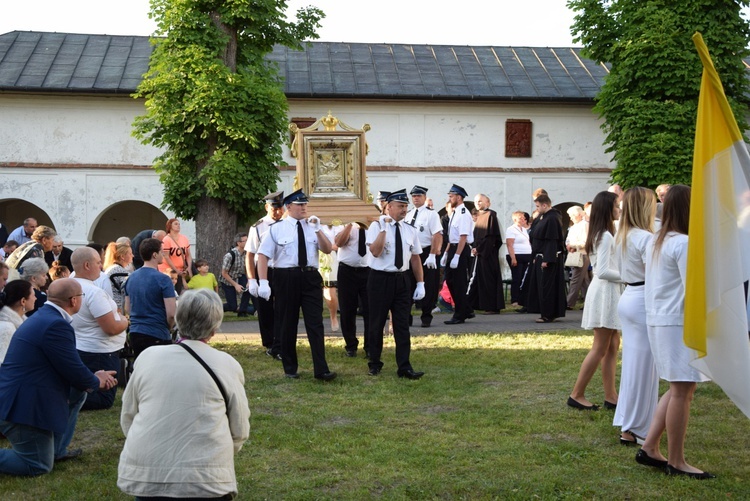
331 170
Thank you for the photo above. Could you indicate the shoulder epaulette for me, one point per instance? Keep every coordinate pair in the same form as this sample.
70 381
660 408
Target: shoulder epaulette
463 210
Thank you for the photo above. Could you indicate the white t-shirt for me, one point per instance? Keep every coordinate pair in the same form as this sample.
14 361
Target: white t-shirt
520 236
89 335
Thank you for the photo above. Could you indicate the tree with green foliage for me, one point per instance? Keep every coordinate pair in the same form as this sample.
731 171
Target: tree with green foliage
649 100
217 107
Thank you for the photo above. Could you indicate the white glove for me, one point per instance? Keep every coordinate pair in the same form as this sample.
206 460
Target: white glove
430 262
264 290
314 223
384 221
454 261
419 291
252 287
444 259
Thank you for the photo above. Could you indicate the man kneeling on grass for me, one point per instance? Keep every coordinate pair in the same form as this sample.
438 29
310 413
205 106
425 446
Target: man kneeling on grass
40 373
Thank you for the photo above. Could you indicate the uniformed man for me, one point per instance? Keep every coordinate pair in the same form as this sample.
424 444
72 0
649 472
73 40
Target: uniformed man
457 255
264 307
381 199
394 247
352 283
430 231
293 244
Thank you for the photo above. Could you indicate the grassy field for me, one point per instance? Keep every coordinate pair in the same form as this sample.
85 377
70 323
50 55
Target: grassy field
488 421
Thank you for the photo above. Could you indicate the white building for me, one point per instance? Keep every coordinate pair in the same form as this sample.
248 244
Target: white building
439 115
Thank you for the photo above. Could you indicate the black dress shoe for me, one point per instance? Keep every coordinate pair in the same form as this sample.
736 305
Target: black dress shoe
454 321
351 353
292 376
276 356
610 405
522 310
470 315
426 324
70 454
577 405
642 458
704 475
326 376
374 371
410 374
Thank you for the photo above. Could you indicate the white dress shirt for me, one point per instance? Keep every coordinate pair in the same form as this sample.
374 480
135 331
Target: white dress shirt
255 237
280 243
409 246
461 223
349 253
427 223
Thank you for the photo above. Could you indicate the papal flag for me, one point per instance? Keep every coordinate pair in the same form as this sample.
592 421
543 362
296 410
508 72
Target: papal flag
718 260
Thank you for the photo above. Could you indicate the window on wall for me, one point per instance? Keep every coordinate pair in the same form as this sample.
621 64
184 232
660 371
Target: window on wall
518 138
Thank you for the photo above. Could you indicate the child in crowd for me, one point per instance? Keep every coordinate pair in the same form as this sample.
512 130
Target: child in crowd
204 279
174 276
58 271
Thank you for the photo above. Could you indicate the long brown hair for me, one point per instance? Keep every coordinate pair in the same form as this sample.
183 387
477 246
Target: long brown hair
676 214
638 211
602 218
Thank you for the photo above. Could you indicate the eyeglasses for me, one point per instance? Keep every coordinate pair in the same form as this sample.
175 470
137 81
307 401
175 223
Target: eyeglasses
76 295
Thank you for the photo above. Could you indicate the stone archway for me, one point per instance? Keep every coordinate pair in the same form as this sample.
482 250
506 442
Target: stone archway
126 218
14 210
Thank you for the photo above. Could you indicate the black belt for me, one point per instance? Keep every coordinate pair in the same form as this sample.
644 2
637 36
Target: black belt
389 272
636 284
298 268
353 267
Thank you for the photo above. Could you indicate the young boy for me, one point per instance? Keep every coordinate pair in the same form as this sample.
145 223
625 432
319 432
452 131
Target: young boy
174 276
204 279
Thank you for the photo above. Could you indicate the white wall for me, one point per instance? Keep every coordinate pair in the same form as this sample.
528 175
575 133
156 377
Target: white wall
430 144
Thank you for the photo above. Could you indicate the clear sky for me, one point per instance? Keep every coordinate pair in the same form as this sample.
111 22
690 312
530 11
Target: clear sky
537 23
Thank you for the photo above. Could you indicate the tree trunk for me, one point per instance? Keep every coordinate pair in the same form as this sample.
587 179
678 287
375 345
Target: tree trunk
215 227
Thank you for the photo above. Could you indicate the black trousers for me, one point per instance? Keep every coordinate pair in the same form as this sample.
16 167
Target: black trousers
352 285
294 289
516 274
389 292
265 310
458 282
431 288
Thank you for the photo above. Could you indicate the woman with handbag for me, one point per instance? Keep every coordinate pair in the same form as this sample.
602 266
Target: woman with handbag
600 308
184 412
577 260
176 249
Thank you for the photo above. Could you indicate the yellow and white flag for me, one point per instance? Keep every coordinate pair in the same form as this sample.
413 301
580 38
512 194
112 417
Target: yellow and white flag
718 260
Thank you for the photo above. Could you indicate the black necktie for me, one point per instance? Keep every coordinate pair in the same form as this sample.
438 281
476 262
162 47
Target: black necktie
399 260
362 250
414 217
301 247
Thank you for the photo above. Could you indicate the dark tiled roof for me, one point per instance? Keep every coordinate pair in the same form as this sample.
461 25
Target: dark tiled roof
64 62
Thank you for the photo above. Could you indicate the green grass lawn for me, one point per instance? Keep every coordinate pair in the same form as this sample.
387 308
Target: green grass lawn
488 421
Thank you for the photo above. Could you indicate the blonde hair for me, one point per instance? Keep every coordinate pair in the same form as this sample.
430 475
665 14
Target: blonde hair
115 254
638 211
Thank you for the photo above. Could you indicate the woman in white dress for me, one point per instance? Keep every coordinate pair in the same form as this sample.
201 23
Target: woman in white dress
600 307
666 264
639 382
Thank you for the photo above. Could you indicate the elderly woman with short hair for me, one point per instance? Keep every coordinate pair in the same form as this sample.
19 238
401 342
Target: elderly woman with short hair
34 271
182 424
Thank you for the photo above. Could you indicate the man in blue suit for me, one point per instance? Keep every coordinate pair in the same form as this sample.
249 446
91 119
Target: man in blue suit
43 385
